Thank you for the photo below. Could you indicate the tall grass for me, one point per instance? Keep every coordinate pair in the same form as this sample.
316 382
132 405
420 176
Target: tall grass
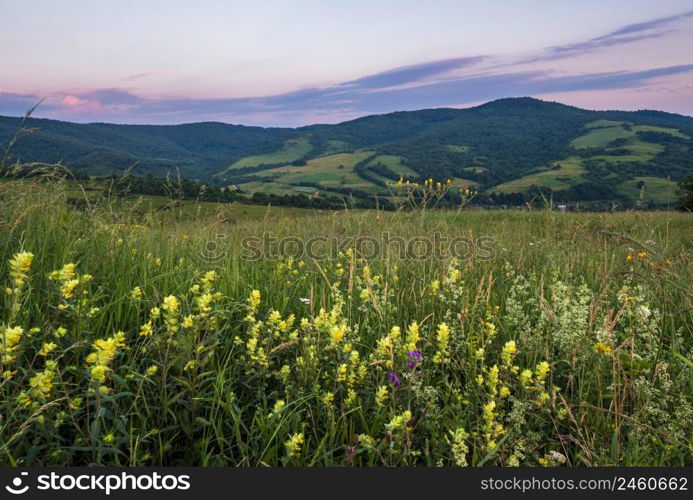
568 343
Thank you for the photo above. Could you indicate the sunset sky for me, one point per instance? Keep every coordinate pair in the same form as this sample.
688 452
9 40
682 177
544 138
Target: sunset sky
291 63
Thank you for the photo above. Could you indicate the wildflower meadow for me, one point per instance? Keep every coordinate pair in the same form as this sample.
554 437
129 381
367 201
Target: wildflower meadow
140 335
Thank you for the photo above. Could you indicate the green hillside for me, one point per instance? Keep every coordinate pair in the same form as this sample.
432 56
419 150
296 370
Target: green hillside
510 150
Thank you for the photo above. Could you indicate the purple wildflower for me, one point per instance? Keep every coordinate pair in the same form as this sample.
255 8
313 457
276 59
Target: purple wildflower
415 354
395 380
414 357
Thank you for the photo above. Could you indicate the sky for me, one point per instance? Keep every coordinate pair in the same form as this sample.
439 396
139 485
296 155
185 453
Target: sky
298 62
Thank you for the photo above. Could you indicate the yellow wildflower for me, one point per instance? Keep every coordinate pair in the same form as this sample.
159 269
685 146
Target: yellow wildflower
98 373
381 395
601 348
104 352
543 369
443 339
171 304
413 336
67 290
342 372
337 334
204 301
22 262
293 445
459 446
9 343
399 422
20 265
254 300
146 329
47 348
41 384
328 399
509 350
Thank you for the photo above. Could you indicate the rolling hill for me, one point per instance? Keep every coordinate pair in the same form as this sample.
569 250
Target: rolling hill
509 149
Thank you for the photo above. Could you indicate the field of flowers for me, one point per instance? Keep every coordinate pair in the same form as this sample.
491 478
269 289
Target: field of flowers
128 338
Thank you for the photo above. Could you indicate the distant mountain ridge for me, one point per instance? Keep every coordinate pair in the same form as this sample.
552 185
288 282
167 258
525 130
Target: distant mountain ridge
506 146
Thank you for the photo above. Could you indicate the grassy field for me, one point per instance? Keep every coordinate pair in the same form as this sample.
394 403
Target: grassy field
293 149
599 134
656 189
395 164
602 132
570 170
136 336
330 171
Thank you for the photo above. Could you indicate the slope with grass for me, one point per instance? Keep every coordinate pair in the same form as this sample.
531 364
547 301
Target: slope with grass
505 146
610 152
661 191
328 172
293 149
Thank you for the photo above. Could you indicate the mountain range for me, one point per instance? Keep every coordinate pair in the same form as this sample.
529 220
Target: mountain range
507 149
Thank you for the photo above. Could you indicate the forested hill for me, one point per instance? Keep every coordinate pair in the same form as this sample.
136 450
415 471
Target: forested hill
507 146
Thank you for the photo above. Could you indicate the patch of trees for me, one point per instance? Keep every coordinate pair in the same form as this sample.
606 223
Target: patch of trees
685 193
385 171
362 170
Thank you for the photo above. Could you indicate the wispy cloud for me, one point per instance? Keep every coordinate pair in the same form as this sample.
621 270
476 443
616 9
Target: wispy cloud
622 36
145 74
411 74
647 25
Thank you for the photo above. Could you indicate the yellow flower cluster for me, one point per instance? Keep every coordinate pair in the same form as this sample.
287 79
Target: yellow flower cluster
381 395
69 280
413 336
508 353
20 265
399 422
9 343
602 348
171 306
102 356
41 384
443 341
387 346
459 446
293 445
254 300
537 381
491 428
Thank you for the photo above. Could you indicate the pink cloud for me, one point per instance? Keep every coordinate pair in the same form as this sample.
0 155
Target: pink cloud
73 104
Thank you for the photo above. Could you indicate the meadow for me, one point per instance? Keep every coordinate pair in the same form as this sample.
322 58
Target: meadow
138 333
